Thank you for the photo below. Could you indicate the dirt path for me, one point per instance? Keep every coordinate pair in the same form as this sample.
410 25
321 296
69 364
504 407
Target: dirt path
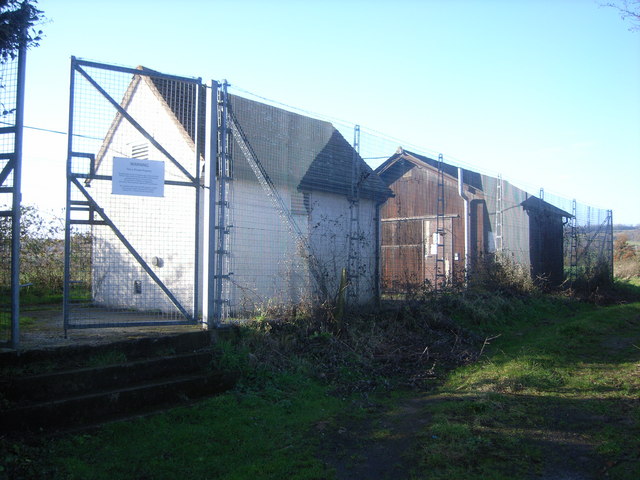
378 446
382 443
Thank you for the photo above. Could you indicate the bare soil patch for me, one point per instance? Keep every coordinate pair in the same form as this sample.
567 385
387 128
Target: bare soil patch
378 446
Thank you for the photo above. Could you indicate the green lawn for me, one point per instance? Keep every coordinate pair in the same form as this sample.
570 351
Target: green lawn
551 391
232 436
555 390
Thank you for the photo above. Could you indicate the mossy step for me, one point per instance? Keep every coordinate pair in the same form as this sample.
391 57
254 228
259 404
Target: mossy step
108 404
60 384
75 355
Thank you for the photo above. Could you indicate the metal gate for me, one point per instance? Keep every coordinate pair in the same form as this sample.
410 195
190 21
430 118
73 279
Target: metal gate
12 78
132 237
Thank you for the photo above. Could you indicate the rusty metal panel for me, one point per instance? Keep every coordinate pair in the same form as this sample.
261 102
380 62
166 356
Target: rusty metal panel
402 255
416 199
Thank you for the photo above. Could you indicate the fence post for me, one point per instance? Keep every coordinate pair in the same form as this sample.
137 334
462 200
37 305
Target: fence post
211 156
17 196
67 224
610 241
221 195
197 266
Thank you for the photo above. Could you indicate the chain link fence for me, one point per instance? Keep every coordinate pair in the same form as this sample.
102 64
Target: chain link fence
298 216
550 240
391 244
9 83
286 214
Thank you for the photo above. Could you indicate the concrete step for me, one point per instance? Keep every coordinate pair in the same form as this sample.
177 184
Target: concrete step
133 349
52 390
106 405
64 383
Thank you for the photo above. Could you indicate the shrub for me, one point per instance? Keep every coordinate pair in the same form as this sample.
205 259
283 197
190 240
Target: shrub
41 251
627 268
626 259
500 274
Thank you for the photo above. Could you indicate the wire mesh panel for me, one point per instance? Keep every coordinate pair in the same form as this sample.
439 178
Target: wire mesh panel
12 79
291 224
133 212
588 241
534 236
298 216
8 98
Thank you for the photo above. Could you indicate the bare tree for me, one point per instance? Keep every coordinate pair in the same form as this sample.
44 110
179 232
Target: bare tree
629 10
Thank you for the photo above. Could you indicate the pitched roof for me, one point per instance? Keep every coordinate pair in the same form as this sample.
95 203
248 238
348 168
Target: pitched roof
300 152
177 98
296 151
403 160
535 204
181 100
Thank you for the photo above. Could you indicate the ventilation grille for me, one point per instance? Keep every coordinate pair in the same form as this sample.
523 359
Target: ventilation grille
140 151
300 203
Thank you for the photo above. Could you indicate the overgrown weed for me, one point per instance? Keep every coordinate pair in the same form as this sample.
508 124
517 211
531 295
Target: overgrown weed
410 343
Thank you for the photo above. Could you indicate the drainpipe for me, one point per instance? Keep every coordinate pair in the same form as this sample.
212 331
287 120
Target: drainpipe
378 240
466 223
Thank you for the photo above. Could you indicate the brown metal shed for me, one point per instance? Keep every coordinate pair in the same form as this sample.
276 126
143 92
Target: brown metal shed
409 238
530 233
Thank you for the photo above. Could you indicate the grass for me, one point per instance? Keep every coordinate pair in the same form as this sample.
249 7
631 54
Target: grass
549 390
5 319
238 435
635 281
106 358
555 388
35 297
472 439
31 298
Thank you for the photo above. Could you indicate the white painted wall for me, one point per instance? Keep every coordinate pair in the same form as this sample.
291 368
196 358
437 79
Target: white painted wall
161 228
272 268
269 266
329 239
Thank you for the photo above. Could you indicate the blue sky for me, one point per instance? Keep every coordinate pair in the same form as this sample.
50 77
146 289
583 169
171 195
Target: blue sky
544 92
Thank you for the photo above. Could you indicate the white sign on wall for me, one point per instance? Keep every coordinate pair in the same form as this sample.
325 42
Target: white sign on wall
132 176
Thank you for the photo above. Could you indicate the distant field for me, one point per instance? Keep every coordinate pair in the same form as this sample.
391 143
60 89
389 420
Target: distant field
633 234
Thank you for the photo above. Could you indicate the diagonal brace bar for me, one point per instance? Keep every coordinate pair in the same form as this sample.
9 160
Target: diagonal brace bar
135 124
6 170
131 249
264 179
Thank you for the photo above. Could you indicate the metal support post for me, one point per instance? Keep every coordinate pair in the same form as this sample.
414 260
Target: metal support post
354 222
573 254
17 198
209 258
66 295
197 267
222 205
610 243
441 276
499 216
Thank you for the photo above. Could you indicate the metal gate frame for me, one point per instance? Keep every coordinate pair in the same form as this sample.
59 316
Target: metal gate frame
96 214
13 168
